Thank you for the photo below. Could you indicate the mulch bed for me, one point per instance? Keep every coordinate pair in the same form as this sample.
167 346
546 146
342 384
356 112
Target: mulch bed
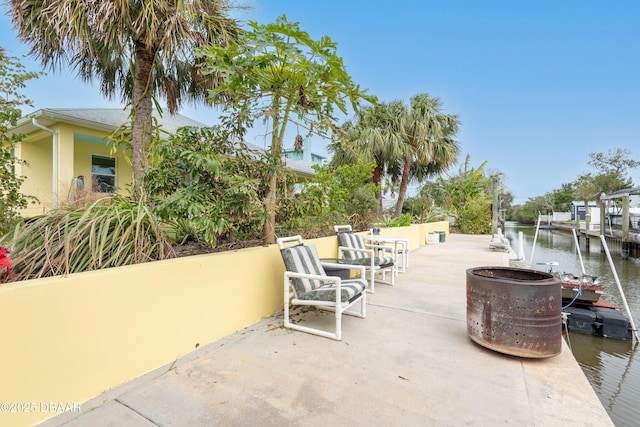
197 248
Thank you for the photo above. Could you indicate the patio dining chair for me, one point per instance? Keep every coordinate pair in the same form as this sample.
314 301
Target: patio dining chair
353 249
307 284
400 247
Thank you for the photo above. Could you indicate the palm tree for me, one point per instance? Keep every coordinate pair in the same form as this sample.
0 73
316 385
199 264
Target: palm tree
429 145
404 143
138 49
374 135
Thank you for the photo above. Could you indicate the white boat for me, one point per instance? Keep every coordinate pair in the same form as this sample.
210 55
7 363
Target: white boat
499 242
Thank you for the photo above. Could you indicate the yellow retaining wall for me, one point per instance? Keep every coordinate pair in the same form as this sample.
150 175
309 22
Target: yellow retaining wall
68 339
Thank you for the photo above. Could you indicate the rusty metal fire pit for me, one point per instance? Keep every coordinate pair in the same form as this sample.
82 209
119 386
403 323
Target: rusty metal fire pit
515 311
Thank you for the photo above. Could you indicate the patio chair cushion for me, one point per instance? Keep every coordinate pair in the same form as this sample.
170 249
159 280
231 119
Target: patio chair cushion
356 241
349 291
304 259
382 262
351 240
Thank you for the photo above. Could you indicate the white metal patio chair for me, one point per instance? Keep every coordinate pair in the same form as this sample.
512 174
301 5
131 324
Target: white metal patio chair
353 249
306 283
400 247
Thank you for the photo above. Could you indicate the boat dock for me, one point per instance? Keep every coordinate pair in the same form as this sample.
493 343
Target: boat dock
409 363
616 220
626 245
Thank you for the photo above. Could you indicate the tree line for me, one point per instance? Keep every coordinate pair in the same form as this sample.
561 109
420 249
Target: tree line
611 174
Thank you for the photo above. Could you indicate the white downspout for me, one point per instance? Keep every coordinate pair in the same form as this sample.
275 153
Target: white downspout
54 194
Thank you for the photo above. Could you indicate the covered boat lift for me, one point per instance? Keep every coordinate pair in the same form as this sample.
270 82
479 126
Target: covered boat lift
629 231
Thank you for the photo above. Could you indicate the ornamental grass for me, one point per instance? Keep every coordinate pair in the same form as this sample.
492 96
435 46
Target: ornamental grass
111 232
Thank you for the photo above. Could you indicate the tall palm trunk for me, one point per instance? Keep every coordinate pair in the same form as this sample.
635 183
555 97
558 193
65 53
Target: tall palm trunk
377 180
402 193
142 106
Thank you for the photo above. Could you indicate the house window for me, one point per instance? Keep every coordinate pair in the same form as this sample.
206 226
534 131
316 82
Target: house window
103 174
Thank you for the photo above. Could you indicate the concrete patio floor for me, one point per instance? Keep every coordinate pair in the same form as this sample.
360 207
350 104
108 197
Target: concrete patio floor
409 363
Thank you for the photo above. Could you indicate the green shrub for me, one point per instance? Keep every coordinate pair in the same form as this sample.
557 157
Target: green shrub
13 78
402 221
423 210
208 187
475 217
338 195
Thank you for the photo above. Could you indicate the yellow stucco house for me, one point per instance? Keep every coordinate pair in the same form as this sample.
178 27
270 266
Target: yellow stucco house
69 157
68 154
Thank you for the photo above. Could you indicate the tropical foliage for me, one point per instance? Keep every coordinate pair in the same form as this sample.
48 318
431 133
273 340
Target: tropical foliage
110 233
423 209
429 147
13 78
406 143
467 197
208 187
139 50
475 218
401 221
455 192
277 72
373 135
202 184
338 195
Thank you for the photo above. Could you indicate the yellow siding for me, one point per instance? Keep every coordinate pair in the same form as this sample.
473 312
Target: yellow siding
37 151
74 159
82 163
65 161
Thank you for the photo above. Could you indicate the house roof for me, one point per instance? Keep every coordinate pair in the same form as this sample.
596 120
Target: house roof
300 166
104 119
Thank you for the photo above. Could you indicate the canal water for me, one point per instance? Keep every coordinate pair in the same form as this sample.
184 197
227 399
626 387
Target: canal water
611 366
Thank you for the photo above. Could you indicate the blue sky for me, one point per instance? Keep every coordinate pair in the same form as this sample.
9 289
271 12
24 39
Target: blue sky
537 85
